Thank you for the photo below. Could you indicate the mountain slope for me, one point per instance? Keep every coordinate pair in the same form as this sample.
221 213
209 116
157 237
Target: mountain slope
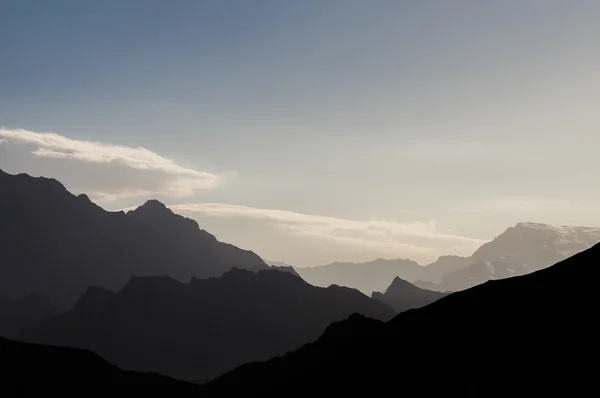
521 249
206 327
56 244
19 314
533 334
37 370
402 296
366 277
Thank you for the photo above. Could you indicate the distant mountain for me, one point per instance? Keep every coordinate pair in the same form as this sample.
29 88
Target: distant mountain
29 370
403 296
366 277
532 335
521 249
199 330
56 244
444 265
18 314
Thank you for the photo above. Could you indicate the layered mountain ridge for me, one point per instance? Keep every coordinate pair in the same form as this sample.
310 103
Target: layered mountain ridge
522 249
200 329
57 244
531 334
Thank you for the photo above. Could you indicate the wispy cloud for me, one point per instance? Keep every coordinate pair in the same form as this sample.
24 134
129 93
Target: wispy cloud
416 238
172 178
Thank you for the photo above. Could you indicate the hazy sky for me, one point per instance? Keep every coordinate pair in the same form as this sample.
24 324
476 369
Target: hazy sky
313 131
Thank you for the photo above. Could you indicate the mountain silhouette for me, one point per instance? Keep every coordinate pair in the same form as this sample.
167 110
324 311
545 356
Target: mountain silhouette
532 334
38 370
201 329
19 314
56 244
366 277
521 249
402 296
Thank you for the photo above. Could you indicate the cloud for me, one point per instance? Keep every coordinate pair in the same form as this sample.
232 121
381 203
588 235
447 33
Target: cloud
417 238
3 141
141 171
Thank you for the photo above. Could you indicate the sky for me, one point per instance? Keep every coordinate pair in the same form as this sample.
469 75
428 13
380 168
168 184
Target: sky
313 131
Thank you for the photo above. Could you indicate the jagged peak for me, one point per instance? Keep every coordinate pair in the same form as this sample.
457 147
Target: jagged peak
154 204
399 284
84 198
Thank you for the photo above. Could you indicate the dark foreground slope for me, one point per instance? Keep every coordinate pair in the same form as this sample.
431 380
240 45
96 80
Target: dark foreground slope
202 329
403 296
534 334
56 244
29 370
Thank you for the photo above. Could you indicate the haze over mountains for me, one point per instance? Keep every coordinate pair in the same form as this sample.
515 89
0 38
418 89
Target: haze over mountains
367 277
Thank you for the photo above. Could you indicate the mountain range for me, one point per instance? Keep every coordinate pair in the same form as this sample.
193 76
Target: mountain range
201 329
57 244
521 249
367 277
527 335
531 334
154 293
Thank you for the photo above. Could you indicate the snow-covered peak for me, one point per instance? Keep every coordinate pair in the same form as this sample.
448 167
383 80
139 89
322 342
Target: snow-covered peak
560 229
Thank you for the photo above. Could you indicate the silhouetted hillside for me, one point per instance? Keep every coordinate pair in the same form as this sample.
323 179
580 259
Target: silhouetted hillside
56 244
17 314
402 296
29 370
206 327
530 335
366 277
524 248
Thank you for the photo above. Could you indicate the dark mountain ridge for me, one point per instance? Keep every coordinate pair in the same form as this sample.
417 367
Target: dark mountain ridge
203 328
57 244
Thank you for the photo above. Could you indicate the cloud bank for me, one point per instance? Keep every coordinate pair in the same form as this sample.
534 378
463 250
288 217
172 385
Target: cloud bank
132 171
417 239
